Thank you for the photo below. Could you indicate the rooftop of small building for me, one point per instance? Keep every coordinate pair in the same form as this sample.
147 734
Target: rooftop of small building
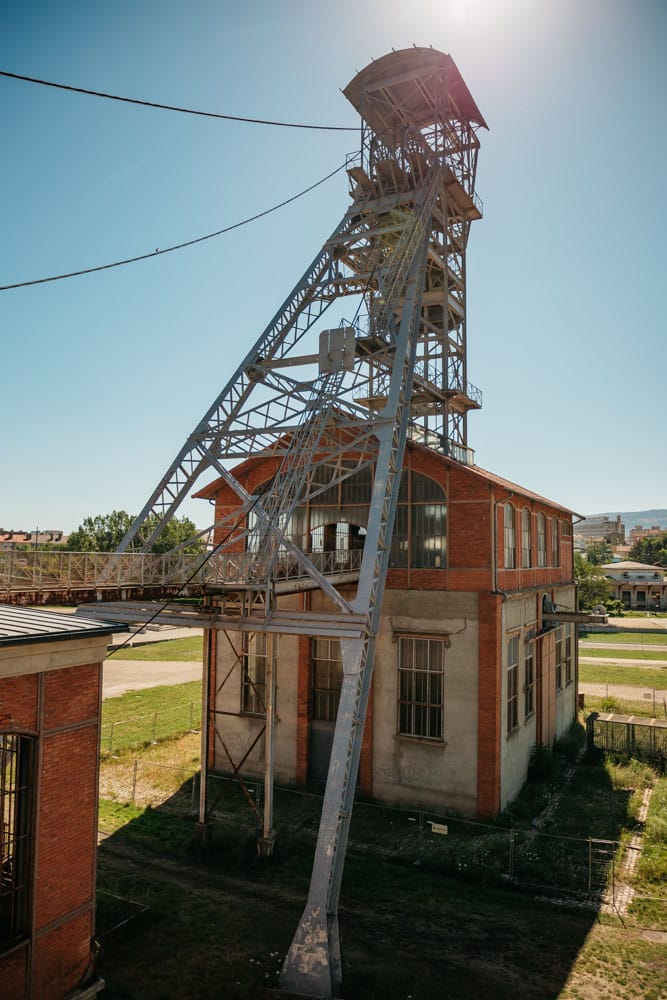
635 566
20 626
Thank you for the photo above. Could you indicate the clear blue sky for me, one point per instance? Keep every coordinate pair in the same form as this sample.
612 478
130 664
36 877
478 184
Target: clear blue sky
103 377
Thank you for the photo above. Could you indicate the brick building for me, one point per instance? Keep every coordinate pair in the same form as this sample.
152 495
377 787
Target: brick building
472 666
50 697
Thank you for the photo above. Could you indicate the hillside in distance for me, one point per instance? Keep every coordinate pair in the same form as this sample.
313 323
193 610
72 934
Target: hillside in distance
632 518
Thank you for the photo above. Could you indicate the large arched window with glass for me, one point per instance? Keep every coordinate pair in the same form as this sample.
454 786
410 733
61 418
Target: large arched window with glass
420 528
335 519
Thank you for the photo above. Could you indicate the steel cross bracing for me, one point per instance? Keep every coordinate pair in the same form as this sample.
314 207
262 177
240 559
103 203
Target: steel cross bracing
312 414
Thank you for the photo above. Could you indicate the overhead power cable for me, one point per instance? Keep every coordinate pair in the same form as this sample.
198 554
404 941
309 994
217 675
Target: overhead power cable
177 246
173 107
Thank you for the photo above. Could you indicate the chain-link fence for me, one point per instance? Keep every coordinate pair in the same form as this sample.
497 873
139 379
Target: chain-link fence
584 869
138 730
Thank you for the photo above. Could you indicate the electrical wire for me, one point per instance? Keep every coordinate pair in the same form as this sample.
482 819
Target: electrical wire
177 246
173 107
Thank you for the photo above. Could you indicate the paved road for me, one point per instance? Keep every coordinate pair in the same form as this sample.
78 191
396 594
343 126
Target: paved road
119 676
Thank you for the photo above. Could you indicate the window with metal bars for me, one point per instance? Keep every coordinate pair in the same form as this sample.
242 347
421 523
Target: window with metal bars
254 673
421 666
16 786
327 678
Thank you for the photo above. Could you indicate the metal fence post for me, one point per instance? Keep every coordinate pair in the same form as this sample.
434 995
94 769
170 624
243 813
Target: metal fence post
590 862
111 737
154 727
134 780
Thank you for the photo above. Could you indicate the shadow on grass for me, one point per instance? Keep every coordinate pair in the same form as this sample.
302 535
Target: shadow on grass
219 919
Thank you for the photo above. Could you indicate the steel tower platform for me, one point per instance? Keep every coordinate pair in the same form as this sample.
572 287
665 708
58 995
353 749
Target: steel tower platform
319 404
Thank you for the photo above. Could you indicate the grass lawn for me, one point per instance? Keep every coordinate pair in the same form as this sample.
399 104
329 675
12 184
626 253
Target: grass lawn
218 919
170 649
625 654
610 673
636 638
622 706
137 718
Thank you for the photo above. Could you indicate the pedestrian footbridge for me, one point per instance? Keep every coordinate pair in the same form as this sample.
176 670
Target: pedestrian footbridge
52 577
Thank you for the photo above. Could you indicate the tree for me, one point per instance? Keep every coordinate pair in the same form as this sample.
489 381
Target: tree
593 586
599 553
652 551
104 533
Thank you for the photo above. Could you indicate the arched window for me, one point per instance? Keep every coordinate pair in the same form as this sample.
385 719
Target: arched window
420 528
510 536
541 540
526 538
555 542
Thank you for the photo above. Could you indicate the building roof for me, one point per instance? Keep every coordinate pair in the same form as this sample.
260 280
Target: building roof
27 625
636 566
209 491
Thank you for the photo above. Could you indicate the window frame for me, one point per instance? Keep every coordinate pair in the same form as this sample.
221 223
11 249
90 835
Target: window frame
17 790
555 541
541 541
559 660
325 695
421 713
512 693
527 538
528 679
509 536
253 689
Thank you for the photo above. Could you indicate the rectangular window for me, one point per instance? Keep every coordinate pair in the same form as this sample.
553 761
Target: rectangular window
421 664
559 661
541 540
15 827
529 679
526 538
568 654
512 683
510 537
254 673
327 678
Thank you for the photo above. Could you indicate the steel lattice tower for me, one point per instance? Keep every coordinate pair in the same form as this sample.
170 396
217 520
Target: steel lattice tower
320 404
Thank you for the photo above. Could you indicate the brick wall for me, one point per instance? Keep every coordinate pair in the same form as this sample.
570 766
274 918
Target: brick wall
61 708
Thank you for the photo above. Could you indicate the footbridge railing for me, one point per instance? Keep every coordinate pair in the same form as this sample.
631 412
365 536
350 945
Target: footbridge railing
54 572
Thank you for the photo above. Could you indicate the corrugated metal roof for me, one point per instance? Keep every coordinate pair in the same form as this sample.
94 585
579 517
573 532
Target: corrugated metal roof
26 625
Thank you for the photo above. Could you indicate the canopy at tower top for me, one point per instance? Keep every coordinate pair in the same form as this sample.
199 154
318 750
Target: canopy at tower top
411 86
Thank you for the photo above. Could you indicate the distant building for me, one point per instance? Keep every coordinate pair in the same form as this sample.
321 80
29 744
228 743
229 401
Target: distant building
11 539
638 586
638 532
50 695
601 529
